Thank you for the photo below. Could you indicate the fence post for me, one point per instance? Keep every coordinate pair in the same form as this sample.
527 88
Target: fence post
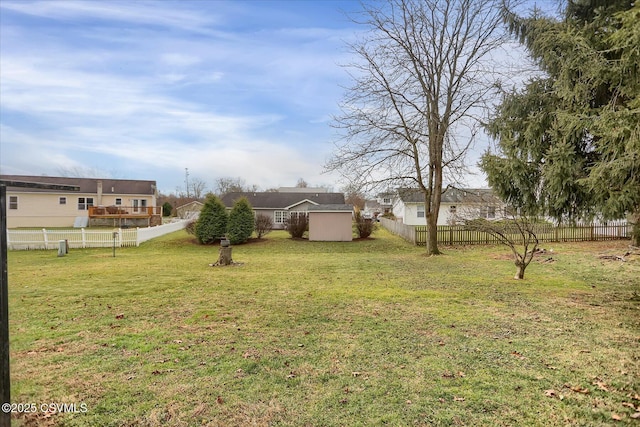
84 239
45 238
119 237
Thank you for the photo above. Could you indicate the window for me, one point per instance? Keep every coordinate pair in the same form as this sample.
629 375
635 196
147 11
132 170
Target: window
84 203
118 201
279 217
420 213
386 201
62 201
491 212
452 209
13 202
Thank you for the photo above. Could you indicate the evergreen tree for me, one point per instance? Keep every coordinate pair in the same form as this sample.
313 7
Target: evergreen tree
569 142
241 222
212 222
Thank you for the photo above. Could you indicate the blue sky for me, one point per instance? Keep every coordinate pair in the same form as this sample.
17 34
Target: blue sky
145 89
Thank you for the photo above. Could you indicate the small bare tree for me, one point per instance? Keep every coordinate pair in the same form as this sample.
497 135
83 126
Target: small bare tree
425 71
518 233
264 225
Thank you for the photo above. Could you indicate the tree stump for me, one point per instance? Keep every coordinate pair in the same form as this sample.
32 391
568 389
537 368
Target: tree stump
225 256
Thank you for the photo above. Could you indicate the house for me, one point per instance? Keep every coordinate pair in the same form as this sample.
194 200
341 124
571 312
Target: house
456 206
189 210
382 204
331 223
100 202
279 205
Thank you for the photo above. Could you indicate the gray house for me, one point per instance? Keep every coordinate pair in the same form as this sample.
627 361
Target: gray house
279 205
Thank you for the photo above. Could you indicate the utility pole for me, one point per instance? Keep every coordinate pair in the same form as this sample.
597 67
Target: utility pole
186 180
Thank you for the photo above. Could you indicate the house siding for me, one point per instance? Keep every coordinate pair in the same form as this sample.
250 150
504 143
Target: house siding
330 226
42 208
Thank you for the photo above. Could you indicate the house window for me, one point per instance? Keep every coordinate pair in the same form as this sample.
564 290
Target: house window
280 217
62 201
118 201
420 213
386 201
84 203
13 202
491 212
452 209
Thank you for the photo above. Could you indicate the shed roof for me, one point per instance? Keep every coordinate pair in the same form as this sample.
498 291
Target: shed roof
331 208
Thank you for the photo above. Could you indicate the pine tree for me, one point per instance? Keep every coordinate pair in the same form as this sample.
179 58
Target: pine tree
212 222
569 142
241 222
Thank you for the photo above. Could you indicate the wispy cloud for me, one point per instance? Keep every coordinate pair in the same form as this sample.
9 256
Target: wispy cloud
150 88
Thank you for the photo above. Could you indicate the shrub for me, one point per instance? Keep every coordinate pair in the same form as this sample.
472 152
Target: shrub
297 224
166 209
363 226
191 227
212 223
264 225
241 222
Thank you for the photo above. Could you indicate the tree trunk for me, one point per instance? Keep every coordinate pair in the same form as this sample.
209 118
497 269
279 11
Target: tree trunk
225 256
520 273
432 235
635 228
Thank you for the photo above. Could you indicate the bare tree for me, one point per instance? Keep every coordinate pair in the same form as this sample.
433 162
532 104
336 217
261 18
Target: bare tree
228 185
302 183
518 233
423 76
197 188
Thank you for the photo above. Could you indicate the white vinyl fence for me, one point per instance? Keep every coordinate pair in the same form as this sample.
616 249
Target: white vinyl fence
83 238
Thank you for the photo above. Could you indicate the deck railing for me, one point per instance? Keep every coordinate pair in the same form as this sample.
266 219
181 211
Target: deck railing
116 211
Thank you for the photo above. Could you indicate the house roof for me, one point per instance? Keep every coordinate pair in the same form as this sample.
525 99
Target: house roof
331 208
191 204
276 200
451 195
87 185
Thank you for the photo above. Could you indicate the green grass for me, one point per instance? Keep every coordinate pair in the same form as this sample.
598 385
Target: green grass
370 332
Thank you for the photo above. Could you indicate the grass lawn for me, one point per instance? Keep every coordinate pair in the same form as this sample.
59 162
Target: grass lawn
365 333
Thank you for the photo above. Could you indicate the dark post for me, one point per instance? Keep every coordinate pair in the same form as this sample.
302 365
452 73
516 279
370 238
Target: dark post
115 236
5 382
5 378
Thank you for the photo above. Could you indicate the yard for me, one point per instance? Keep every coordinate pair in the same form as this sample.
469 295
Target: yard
369 332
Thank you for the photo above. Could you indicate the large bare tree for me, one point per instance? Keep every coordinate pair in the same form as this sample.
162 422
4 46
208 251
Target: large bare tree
422 76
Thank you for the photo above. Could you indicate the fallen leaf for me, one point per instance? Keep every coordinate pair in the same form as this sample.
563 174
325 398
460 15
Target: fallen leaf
635 416
458 399
628 405
120 316
356 374
408 402
616 417
602 386
219 400
550 393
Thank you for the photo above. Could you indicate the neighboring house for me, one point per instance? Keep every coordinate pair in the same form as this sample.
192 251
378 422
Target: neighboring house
279 205
381 205
100 202
331 223
190 210
456 206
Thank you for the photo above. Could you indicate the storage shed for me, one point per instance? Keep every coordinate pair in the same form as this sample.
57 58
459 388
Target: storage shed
331 223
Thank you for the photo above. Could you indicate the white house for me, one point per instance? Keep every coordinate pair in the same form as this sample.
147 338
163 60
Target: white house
456 206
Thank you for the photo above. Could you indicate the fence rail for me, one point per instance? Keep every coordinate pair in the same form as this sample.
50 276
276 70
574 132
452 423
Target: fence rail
83 238
459 235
